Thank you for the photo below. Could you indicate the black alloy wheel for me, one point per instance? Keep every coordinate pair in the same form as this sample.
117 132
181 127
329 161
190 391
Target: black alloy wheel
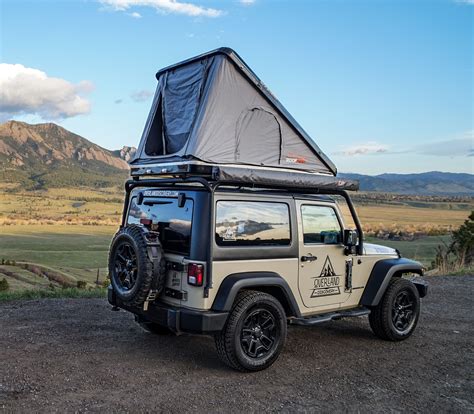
259 333
255 332
125 266
396 316
403 311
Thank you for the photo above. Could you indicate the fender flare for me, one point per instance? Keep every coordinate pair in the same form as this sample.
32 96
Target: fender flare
382 273
263 281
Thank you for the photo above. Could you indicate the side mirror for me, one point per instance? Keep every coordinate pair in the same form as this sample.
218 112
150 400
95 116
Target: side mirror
350 238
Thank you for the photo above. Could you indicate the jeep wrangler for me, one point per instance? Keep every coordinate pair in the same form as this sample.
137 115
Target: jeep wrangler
241 262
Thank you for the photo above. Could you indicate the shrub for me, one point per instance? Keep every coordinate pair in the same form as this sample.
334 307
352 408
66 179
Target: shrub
463 242
81 284
459 253
4 286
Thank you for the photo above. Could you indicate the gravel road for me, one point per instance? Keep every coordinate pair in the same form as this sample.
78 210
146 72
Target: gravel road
76 355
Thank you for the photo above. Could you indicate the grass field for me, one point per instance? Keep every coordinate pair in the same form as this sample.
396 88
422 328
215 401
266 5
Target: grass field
422 249
61 206
79 251
69 231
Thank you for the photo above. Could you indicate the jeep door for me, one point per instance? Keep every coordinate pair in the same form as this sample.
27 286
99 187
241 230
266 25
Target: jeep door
322 262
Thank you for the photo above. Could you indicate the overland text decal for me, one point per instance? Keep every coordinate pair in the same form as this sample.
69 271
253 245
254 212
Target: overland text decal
327 283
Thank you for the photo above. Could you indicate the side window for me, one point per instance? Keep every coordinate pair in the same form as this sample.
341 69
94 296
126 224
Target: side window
320 225
250 223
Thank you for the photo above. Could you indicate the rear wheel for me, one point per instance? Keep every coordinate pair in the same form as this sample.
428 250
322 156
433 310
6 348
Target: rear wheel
254 334
396 316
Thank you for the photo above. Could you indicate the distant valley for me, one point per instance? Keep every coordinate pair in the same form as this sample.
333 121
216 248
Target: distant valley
428 183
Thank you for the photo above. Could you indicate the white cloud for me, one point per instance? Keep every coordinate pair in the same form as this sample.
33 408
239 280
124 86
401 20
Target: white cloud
135 15
450 148
28 91
167 6
459 146
470 2
247 2
370 147
141 96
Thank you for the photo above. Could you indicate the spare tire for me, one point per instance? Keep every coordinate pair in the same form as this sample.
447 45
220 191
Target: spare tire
135 266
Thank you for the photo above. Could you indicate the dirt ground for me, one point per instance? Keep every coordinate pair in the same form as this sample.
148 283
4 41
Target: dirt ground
76 355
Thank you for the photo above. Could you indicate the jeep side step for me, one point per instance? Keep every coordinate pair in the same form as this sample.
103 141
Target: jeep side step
326 317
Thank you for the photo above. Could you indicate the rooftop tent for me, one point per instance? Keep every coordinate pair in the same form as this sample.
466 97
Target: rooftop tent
213 108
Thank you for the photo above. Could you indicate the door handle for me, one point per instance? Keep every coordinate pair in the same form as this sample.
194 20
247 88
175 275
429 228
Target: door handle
309 258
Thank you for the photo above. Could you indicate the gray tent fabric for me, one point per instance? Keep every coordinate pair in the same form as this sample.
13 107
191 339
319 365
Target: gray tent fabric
214 109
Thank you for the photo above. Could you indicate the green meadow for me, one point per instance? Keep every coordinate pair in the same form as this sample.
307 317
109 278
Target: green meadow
82 250
78 251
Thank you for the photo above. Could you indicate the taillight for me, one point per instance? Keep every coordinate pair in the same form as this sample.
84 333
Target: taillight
146 222
195 274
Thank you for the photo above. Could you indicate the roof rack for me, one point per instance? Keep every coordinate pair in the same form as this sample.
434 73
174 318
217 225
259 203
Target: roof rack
211 177
242 175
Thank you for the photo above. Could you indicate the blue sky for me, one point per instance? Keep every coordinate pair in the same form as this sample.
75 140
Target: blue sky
381 86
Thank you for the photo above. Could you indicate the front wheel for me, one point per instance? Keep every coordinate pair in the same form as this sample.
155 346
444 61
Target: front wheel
254 334
396 316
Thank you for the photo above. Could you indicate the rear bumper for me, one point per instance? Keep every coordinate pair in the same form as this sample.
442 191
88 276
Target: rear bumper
177 319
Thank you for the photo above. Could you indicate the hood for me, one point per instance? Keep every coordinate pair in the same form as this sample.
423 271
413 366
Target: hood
372 249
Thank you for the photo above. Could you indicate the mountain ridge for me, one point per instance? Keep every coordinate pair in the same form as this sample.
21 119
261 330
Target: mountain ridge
48 155
426 183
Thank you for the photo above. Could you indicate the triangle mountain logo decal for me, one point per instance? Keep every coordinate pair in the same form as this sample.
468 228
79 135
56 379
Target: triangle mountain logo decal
327 269
327 283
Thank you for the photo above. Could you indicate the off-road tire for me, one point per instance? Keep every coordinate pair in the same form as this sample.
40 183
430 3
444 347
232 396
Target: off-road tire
147 276
381 317
151 327
228 341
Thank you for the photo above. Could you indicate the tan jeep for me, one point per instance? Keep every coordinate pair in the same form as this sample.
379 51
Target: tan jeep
229 228
241 263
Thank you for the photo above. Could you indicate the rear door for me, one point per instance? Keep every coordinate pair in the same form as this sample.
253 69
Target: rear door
173 221
322 262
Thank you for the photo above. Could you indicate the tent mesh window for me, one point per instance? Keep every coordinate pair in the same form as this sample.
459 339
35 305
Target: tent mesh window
178 102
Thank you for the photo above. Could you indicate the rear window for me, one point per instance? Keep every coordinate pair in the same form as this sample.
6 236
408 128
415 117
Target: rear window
249 223
174 223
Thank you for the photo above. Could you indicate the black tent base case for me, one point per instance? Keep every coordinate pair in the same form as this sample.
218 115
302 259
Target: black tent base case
247 176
